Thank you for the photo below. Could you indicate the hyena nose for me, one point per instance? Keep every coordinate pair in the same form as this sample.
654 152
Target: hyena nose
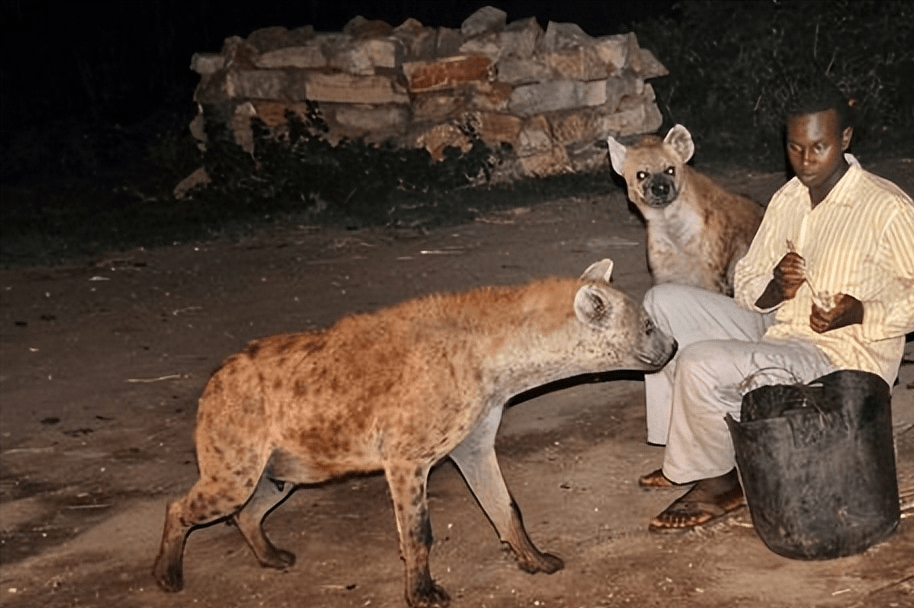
660 189
671 354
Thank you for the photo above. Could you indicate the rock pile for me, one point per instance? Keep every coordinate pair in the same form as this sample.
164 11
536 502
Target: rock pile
551 95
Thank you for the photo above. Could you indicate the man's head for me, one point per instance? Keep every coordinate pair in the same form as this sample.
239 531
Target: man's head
815 94
819 131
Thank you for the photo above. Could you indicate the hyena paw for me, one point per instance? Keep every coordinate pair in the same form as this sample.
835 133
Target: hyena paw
278 559
169 577
545 562
552 563
430 595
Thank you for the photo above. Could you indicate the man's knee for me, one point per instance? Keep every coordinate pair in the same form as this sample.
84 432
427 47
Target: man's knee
709 374
656 295
707 356
658 302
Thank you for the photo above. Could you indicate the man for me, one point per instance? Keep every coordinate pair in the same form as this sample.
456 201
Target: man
827 284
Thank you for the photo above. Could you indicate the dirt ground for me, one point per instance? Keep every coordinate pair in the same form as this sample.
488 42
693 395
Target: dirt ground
103 360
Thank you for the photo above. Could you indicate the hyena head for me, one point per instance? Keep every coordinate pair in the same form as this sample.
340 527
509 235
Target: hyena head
653 168
616 331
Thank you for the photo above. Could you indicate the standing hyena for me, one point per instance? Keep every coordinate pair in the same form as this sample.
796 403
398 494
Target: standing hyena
696 230
398 390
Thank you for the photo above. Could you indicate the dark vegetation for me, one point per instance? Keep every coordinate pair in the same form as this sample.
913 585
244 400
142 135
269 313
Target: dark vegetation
90 159
350 183
732 65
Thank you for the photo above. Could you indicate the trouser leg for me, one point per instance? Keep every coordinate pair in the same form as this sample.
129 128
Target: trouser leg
711 377
690 315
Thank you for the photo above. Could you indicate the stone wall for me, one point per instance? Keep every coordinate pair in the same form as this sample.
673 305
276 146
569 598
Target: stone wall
552 95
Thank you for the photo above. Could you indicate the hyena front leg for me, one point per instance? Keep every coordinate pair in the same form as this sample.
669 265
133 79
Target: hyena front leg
476 459
407 482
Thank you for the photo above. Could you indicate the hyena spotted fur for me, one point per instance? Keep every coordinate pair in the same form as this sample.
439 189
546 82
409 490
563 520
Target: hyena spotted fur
398 390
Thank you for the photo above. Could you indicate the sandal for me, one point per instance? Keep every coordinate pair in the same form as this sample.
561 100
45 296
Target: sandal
697 508
657 480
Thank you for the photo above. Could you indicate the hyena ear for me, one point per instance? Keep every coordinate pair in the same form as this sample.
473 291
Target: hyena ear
617 153
592 305
681 141
599 271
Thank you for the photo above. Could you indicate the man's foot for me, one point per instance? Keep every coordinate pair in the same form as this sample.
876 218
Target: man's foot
710 500
657 480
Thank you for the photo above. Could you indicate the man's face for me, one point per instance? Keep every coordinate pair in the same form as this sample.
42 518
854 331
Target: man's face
815 147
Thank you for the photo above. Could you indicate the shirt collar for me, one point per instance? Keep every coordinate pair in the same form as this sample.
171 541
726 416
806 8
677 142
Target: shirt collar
846 181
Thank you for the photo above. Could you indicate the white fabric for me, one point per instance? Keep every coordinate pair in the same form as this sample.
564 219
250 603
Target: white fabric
690 315
722 355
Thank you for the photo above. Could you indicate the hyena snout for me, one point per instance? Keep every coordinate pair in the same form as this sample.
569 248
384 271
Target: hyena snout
660 190
658 349
672 352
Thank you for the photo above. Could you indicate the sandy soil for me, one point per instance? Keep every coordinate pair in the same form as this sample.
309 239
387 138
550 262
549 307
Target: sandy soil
103 359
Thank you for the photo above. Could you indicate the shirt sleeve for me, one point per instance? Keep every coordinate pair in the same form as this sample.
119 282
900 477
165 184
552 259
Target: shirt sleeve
891 313
756 269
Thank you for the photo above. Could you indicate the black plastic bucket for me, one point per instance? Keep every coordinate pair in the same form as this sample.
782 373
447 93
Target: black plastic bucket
817 463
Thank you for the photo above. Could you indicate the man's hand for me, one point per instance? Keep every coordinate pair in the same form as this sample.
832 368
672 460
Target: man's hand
789 275
846 310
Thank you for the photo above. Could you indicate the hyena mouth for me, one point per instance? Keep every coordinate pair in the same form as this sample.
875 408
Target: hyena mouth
657 359
660 191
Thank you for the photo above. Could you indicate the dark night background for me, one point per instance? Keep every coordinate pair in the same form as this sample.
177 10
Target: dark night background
97 98
125 60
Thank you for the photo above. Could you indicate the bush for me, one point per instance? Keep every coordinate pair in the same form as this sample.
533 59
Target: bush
732 64
352 182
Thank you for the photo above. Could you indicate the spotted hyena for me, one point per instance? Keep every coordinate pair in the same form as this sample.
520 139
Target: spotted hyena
696 230
397 391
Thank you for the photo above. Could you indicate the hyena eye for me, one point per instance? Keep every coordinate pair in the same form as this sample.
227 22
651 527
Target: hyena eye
670 171
649 327
641 175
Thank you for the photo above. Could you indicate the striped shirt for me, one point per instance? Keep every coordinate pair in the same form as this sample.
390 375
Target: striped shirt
858 241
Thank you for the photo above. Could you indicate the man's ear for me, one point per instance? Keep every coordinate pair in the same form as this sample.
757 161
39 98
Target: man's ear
846 137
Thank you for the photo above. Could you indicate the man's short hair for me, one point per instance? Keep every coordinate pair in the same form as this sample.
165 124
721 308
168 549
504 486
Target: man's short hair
818 93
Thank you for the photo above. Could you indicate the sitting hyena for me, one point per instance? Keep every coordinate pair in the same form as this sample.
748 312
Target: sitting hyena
398 390
696 230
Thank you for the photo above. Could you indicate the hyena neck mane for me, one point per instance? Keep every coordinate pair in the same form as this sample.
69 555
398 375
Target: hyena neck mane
519 337
528 336
496 313
697 178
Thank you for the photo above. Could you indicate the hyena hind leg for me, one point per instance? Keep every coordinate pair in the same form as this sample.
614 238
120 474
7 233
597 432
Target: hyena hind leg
207 501
268 494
